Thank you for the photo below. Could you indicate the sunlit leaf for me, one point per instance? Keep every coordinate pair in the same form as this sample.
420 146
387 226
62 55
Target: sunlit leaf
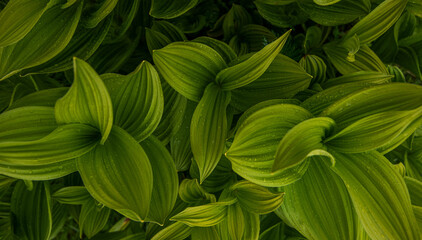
118 174
209 129
87 101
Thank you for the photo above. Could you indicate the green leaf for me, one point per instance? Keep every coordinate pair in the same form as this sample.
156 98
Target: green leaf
235 221
342 12
168 10
209 129
27 123
87 101
176 231
376 131
72 195
415 190
138 103
47 38
31 211
365 59
92 218
15 26
283 79
415 7
284 14
64 143
302 141
205 215
358 77
225 51
370 101
205 233
155 40
118 174
191 192
379 195
318 205
255 198
248 71
188 67
378 21
315 66
180 143
47 98
235 18
97 12
255 143
82 45
171 31
409 59
165 180
173 113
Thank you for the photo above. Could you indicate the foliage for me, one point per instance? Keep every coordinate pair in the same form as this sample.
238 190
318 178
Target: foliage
190 119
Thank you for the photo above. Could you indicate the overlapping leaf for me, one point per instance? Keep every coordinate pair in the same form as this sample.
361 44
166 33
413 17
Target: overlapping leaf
209 129
118 174
87 101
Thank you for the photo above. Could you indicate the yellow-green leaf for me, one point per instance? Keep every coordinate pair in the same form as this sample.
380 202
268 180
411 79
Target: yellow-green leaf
87 101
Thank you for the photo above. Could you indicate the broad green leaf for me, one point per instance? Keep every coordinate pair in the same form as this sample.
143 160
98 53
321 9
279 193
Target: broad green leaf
284 14
47 98
379 195
60 215
225 51
209 129
31 211
274 232
415 190
315 66
235 221
97 12
248 71
180 143
255 143
370 101
72 195
171 31
318 205
205 233
378 21
188 67
283 79
176 231
138 103
65 142
27 123
255 198
92 218
118 174
165 180
47 38
15 26
342 12
168 10
313 38
318 102
82 45
255 37
358 77
174 111
365 59
375 131
205 215
191 192
87 101
302 141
